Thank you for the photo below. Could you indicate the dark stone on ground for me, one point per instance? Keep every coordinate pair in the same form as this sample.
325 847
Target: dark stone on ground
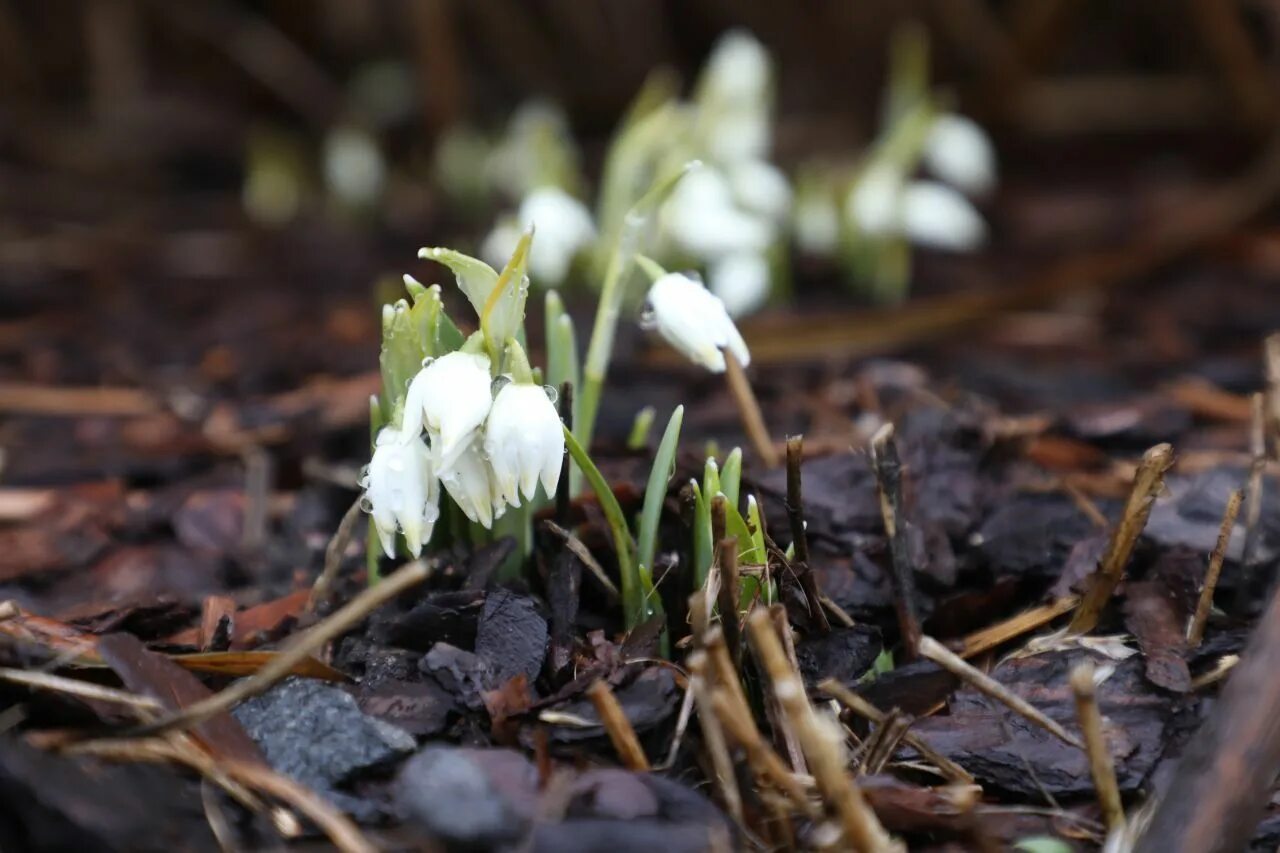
317 734
511 637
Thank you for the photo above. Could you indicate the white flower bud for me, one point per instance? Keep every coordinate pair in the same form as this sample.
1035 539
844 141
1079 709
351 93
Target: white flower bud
564 227
741 281
702 218
451 397
874 205
468 481
738 69
401 493
760 187
524 442
959 152
694 321
935 215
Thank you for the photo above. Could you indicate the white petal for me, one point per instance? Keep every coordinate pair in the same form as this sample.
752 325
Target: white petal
959 152
452 394
467 482
703 219
741 281
935 215
738 69
694 321
874 205
524 441
400 490
761 187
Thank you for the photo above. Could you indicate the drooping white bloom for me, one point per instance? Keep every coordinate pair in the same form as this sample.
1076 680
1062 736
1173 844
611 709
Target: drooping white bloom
738 70
935 215
353 166
694 321
564 228
524 442
741 281
469 482
401 492
816 221
741 135
761 187
959 152
451 397
703 219
874 204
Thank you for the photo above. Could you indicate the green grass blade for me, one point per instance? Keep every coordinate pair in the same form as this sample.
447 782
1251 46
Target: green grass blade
656 489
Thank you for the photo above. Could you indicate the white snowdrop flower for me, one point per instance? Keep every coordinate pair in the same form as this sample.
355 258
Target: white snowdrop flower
959 152
353 166
702 218
816 222
524 442
760 187
469 482
564 227
935 215
500 243
694 321
874 204
738 70
739 135
451 397
401 493
741 281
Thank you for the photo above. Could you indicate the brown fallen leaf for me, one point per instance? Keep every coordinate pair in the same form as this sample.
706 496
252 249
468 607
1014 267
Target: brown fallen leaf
153 674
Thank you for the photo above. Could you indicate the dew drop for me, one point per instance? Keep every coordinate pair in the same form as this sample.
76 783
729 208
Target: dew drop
426 362
366 505
552 394
648 318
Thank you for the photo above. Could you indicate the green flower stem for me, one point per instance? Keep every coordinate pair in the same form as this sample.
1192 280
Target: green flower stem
611 295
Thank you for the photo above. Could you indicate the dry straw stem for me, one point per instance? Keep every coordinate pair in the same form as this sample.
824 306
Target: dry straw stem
1253 505
1147 484
727 558
726 671
951 771
988 686
333 554
799 538
713 734
763 760
1271 361
298 649
1095 743
749 410
1195 631
143 706
886 739
1015 626
622 735
822 747
887 465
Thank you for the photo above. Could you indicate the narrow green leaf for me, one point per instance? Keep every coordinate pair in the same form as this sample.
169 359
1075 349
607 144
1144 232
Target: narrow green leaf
731 477
702 544
640 428
656 489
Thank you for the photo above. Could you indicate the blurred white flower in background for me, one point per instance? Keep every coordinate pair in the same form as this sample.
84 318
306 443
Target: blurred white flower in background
564 227
741 281
353 166
959 152
935 215
703 220
694 321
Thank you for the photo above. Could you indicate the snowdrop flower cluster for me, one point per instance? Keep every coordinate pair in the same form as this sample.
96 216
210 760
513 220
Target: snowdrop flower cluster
729 214
488 450
886 202
694 321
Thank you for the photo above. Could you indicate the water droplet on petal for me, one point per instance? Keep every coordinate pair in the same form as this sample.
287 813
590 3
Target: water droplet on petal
552 394
366 505
648 319
499 382
426 362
